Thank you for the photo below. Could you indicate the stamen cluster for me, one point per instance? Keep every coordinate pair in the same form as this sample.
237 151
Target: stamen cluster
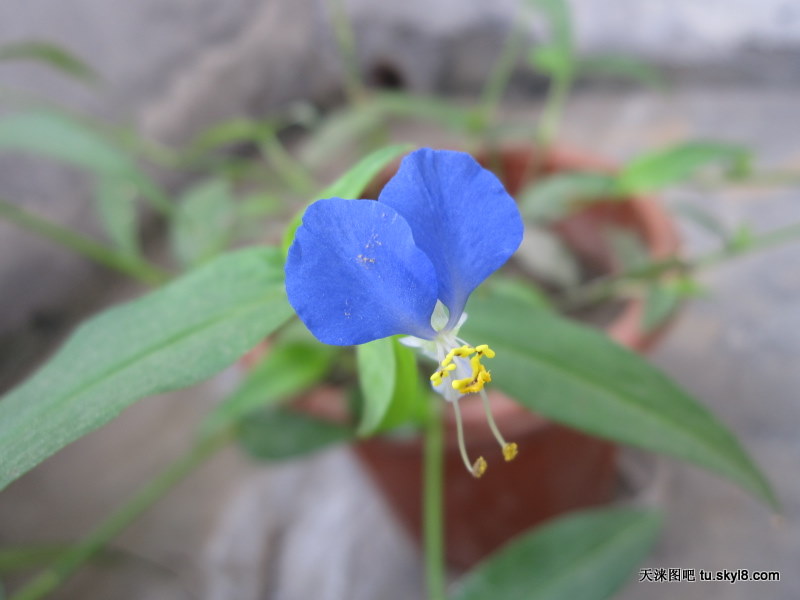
480 375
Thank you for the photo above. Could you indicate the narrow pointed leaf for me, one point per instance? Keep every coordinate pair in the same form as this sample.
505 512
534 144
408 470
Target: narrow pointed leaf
660 303
56 136
171 338
586 556
556 196
411 397
203 222
115 200
377 378
48 54
673 165
577 376
389 382
59 137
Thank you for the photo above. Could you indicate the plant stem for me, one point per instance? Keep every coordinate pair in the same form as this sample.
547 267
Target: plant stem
604 287
69 562
550 119
433 518
499 77
346 44
108 257
293 173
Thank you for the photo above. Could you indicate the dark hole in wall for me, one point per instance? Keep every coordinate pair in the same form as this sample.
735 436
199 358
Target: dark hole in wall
387 76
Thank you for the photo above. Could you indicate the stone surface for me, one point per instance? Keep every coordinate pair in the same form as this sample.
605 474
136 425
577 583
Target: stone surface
176 67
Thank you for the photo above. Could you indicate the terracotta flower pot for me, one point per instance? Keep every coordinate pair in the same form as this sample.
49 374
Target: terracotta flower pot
558 469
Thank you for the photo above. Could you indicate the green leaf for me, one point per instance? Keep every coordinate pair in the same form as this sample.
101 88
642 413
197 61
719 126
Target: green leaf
559 21
29 557
280 434
586 556
552 60
623 66
115 200
377 378
741 240
49 54
57 136
660 303
628 250
172 338
233 131
577 376
352 183
339 130
411 398
444 113
558 195
203 222
259 204
389 383
287 370
129 265
521 290
657 170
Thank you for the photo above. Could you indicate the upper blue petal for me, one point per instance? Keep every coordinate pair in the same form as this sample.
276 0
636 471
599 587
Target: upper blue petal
354 274
461 217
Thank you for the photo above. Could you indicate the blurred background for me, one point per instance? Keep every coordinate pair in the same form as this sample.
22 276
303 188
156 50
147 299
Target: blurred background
169 70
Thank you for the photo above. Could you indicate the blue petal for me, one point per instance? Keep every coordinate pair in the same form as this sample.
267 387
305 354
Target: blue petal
353 274
461 217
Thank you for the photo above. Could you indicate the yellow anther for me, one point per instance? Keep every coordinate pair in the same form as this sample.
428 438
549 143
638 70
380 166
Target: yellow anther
479 467
462 384
510 451
484 350
475 363
437 376
470 385
462 352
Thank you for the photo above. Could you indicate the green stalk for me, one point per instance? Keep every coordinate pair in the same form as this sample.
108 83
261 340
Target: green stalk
433 518
499 77
108 257
346 44
69 562
293 173
603 288
550 119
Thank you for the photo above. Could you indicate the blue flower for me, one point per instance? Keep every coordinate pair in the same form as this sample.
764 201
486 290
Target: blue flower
360 270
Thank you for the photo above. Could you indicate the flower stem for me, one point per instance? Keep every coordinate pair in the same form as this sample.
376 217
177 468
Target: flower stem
499 77
433 521
69 562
